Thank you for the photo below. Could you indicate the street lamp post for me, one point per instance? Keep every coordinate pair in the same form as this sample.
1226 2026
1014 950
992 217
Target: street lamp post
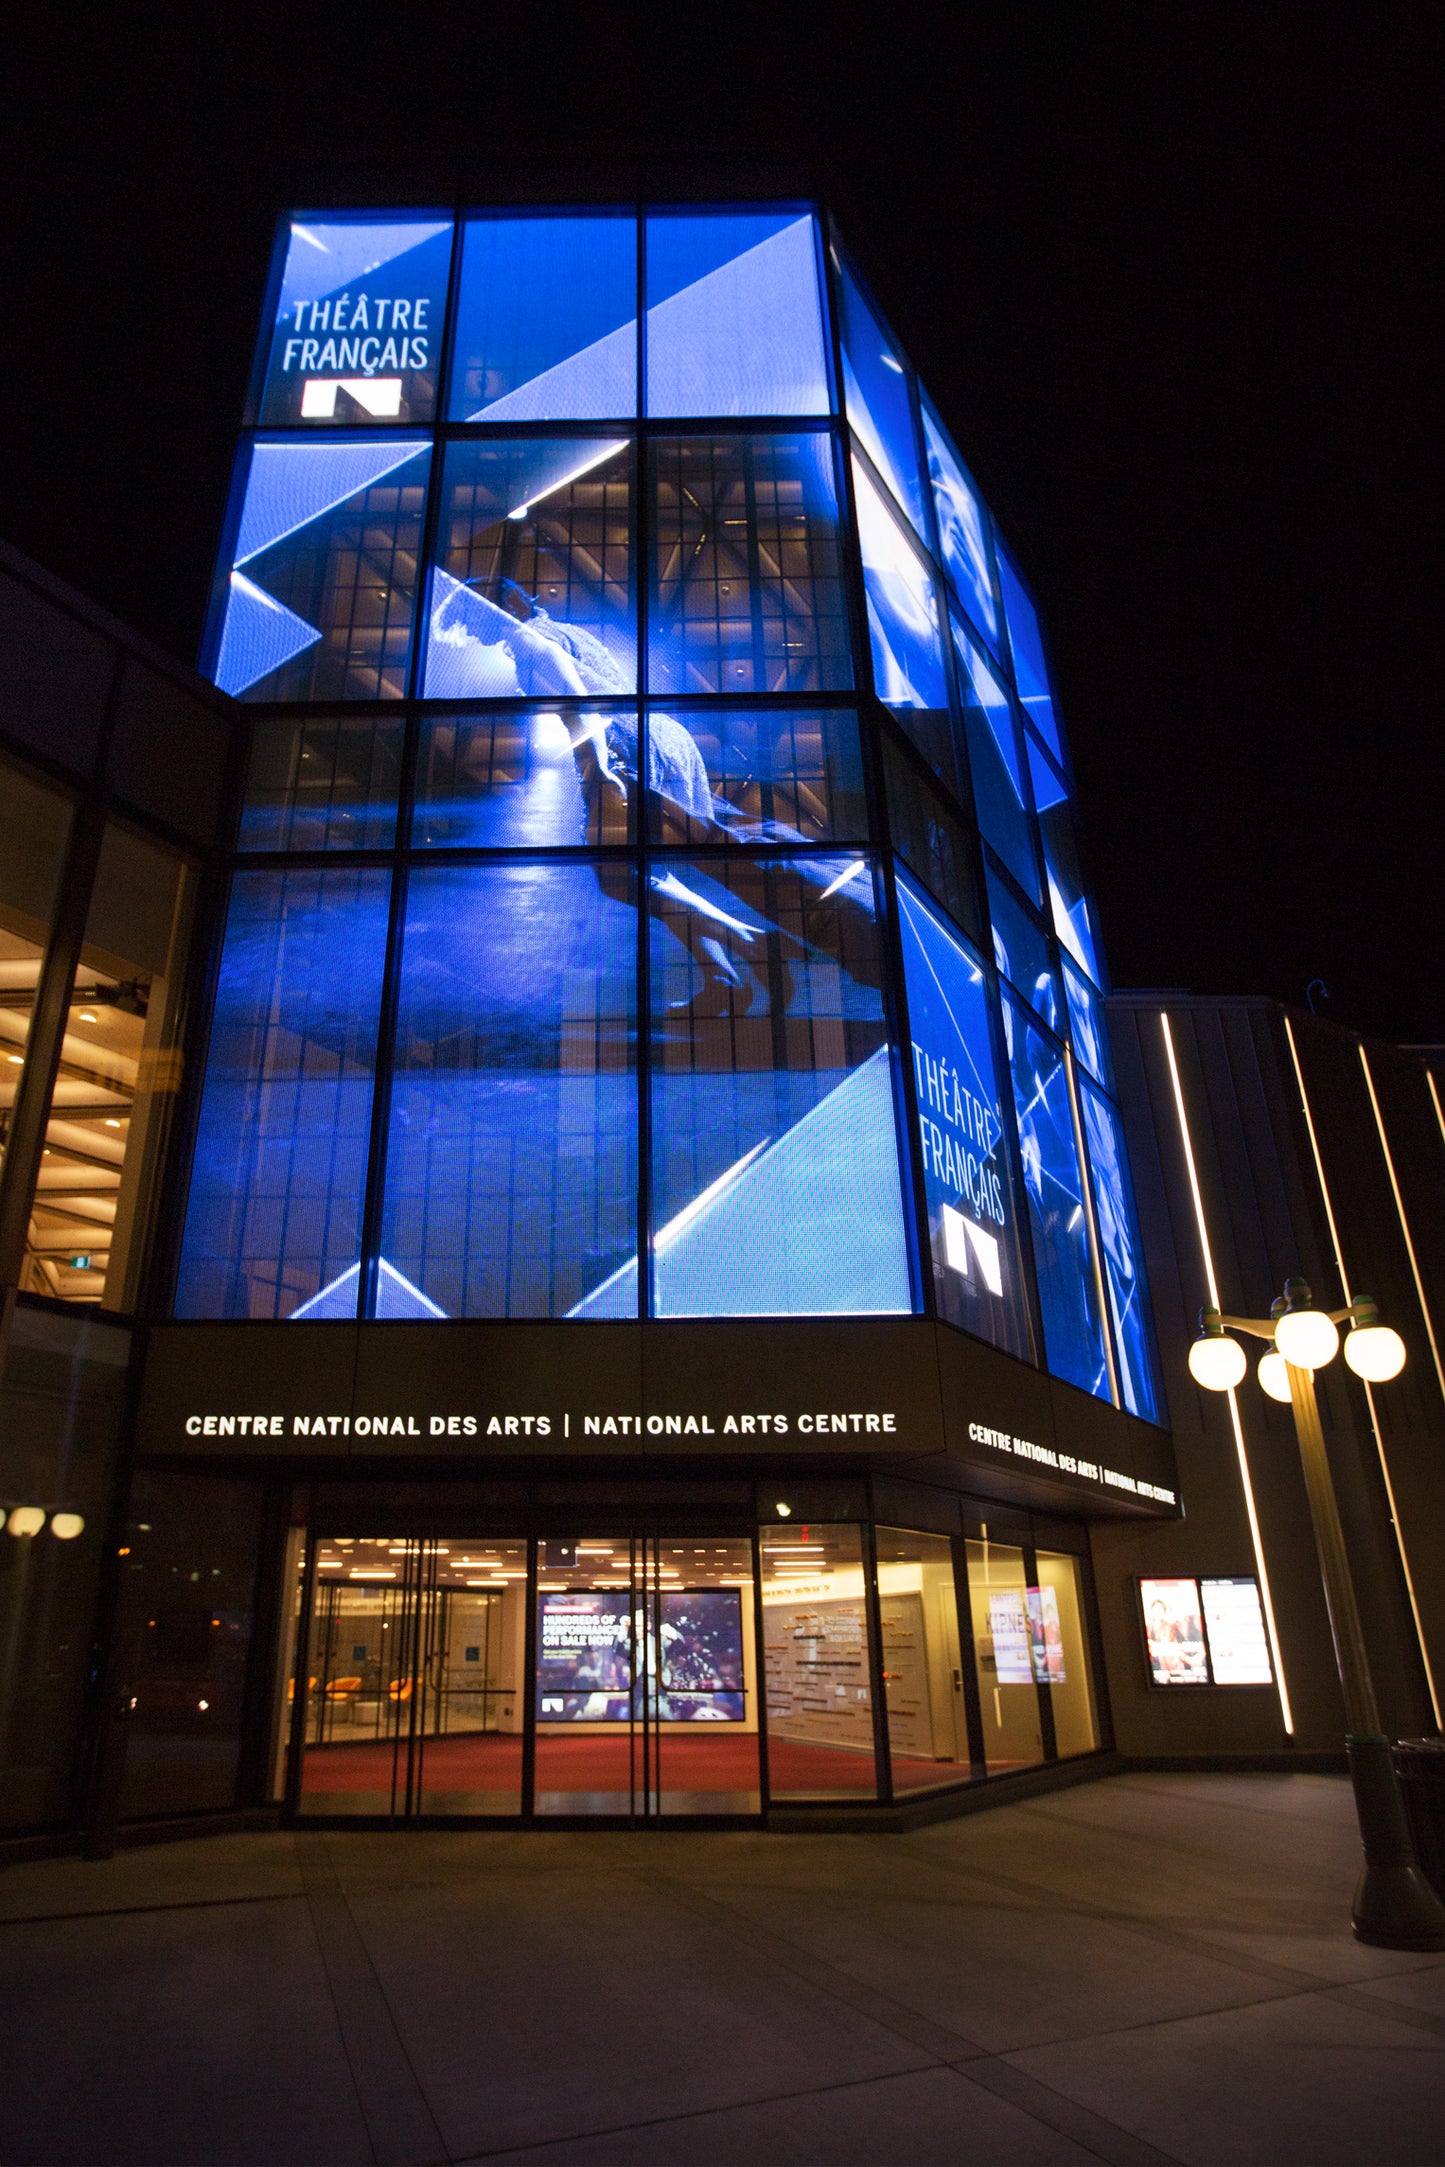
1394 1907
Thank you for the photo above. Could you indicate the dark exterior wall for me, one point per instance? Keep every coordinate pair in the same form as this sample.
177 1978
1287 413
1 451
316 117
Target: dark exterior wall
1266 1220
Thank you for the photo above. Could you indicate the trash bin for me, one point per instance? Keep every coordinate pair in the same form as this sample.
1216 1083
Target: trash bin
1420 1766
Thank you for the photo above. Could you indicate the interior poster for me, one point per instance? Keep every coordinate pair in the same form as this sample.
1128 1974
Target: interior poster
1174 1629
694 1654
1234 1622
1008 1622
1046 1637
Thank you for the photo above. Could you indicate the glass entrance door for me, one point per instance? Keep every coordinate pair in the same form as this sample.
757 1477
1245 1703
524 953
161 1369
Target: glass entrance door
645 1677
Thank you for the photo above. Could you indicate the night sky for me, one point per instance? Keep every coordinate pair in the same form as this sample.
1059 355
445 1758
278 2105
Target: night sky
1171 274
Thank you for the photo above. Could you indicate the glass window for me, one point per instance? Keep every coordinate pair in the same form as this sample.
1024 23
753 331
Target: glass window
1021 951
536 779
996 764
875 391
273 1226
359 320
1086 1023
903 630
1026 640
754 775
817 1676
1123 1254
115 1089
532 588
322 782
1068 904
922 1665
1061 1651
747 589
34 833
734 322
1073 1330
1003 1649
968 1168
511 1178
323 583
546 326
775 1164
961 530
931 840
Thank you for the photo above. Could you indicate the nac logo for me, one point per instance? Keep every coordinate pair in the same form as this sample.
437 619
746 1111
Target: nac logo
379 396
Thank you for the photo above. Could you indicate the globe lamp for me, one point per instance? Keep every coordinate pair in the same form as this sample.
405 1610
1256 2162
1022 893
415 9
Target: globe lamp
1372 1349
1216 1361
1303 1334
1273 1376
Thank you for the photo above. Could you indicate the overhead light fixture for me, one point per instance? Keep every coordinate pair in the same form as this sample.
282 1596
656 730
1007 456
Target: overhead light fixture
1303 1334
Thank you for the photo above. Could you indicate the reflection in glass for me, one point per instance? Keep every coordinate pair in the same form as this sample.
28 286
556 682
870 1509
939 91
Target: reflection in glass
775 1167
875 390
1068 904
747 591
1122 1254
961 537
903 629
546 325
1003 1649
535 779
995 760
1086 1023
359 321
754 775
968 1169
511 1171
531 592
1026 640
922 1665
321 783
816 1666
34 832
273 1224
1061 1653
1021 951
931 840
734 323
323 583
1073 1330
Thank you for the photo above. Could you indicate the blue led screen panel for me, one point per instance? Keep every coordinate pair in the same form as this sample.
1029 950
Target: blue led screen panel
753 776
273 1221
1123 1253
903 633
962 538
1021 951
996 764
536 778
1026 640
546 324
321 782
875 393
747 588
359 319
532 589
963 1131
1058 1219
1068 904
775 1174
734 315
932 841
1086 1024
511 1168
323 587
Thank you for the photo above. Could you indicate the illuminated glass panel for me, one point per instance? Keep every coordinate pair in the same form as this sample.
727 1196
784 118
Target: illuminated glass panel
903 629
1073 1330
273 1227
932 842
323 584
1026 639
775 1176
1021 951
321 782
875 392
546 326
359 320
961 534
511 1178
1122 1251
747 776
536 778
734 319
996 764
963 1132
532 590
1086 1023
1068 904
747 589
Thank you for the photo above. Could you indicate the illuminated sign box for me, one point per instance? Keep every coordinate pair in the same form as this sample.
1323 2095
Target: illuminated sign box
1205 1631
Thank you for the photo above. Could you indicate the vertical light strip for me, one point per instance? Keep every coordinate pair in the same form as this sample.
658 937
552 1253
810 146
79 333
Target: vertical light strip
1246 1485
1404 1222
1349 1297
1435 1102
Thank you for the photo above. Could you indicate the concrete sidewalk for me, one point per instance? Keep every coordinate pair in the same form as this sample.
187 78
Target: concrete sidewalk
1147 1969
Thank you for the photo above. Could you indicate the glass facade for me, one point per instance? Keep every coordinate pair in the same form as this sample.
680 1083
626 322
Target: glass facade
690 921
